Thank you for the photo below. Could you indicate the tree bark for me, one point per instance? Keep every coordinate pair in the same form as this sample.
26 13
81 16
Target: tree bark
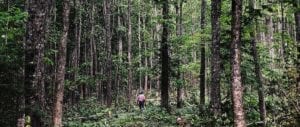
165 67
215 95
259 78
120 55
297 20
34 65
283 43
129 85
258 73
237 88
146 78
202 67
140 46
108 36
76 51
178 7
269 37
62 50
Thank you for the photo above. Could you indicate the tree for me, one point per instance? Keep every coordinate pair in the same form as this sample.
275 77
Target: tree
202 60
129 55
297 20
164 56
178 7
62 50
215 96
108 35
236 83
259 78
257 67
34 54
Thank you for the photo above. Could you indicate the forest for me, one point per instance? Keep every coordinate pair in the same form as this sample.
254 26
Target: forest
149 63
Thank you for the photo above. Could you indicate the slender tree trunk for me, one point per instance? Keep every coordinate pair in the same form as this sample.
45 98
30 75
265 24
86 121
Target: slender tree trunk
259 78
108 36
120 53
202 67
283 29
258 74
62 50
237 88
34 65
297 20
165 58
180 91
146 78
129 53
269 37
140 46
157 38
215 95
92 40
76 51
95 54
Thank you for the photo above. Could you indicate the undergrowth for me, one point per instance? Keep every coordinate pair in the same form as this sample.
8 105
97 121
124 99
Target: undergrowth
91 114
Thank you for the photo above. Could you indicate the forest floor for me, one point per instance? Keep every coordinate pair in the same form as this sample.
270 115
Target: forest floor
90 114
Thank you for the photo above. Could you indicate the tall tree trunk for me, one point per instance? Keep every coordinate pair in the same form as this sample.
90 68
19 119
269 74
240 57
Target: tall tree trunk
297 20
120 55
164 78
129 85
269 37
140 46
92 41
237 88
258 74
108 36
283 29
178 8
202 61
62 50
76 51
259 78
146 78
215 95
34 65
157 38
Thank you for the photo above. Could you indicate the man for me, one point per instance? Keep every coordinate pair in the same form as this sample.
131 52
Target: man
141 100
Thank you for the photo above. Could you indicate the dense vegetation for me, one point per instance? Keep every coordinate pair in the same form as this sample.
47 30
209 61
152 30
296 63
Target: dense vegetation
81 63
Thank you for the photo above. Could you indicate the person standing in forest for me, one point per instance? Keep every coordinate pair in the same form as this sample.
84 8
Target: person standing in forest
141 100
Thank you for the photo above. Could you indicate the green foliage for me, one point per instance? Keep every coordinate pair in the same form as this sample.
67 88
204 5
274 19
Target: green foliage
91 114
12 30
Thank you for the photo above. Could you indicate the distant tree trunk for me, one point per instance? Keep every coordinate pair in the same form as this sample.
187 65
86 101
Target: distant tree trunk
180 91
283 43
120 55
94 45
93 58
62 50
34 64
129 52
108 36
146 78
269 37
165 58
259 78
202 67
297 20
215 95
157 38
140 46
76 51
237 88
